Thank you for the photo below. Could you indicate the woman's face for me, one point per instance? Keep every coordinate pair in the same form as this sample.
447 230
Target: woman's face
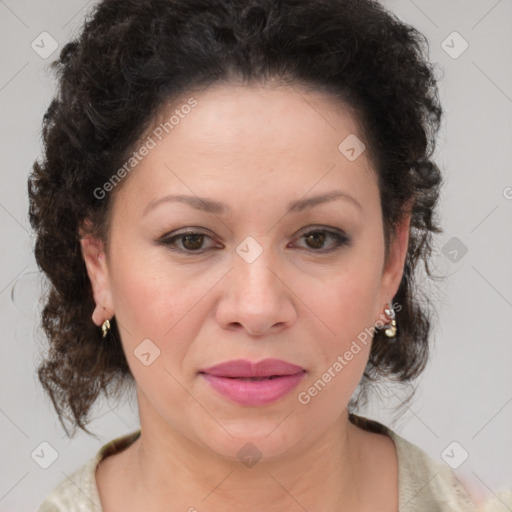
275 270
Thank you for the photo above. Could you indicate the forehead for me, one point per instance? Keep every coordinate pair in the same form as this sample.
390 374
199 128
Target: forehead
253 115
234 137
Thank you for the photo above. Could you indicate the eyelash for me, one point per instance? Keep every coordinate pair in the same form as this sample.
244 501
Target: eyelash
340 240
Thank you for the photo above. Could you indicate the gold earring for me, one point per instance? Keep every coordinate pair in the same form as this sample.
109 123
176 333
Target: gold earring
390 328
105 327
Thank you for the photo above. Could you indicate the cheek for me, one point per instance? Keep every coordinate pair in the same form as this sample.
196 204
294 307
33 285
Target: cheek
147 294
347 308
156 310
348 301
157 301
347 305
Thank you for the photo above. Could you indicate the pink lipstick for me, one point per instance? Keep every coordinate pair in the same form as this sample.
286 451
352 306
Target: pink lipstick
253 384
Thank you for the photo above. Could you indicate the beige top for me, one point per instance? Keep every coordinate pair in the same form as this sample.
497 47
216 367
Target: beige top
424 485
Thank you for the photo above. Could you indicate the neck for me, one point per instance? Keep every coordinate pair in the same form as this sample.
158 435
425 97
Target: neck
182 474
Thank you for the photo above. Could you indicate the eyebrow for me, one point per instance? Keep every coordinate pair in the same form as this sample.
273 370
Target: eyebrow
210 206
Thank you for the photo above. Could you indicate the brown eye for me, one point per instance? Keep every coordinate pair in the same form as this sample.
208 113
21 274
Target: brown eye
320 241
316 240
187 242
192 242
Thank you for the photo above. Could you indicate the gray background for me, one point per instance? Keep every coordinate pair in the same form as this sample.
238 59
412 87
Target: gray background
466 393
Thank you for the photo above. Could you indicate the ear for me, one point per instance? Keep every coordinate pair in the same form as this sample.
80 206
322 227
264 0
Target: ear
93 252
394 266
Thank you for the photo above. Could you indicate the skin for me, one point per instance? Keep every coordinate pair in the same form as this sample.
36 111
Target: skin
255 149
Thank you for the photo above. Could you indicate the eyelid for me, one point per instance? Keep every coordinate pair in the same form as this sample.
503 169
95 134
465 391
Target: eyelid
339 236
168 238
328 229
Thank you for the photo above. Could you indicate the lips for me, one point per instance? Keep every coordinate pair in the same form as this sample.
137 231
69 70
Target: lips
243 369
253 384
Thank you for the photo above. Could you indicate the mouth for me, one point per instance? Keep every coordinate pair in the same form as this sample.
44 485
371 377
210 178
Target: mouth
253 384
252 379
244 369
249 379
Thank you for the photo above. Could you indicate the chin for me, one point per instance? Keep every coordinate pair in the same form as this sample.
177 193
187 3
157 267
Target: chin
250 442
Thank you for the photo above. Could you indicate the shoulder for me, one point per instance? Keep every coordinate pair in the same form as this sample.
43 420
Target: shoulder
423 483
78 492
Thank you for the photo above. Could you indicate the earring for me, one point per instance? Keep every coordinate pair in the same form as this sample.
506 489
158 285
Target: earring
105 327
390 328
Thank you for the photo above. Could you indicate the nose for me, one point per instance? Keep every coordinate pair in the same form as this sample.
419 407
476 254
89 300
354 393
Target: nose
256 298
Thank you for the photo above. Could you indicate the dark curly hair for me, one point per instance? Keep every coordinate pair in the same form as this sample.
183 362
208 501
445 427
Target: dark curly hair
132 57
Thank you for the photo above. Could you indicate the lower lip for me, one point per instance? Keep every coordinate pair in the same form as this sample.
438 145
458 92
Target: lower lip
254 392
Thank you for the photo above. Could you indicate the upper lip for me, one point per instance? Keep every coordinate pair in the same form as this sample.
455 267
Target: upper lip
244 368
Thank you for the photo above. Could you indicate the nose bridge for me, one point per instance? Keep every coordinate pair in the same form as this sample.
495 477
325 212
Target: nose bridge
256 298
254 270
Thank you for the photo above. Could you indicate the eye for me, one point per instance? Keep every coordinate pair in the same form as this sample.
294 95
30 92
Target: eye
191 241
188 241
316 239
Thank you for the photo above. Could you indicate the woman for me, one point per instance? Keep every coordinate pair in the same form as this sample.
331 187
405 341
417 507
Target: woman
232 205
